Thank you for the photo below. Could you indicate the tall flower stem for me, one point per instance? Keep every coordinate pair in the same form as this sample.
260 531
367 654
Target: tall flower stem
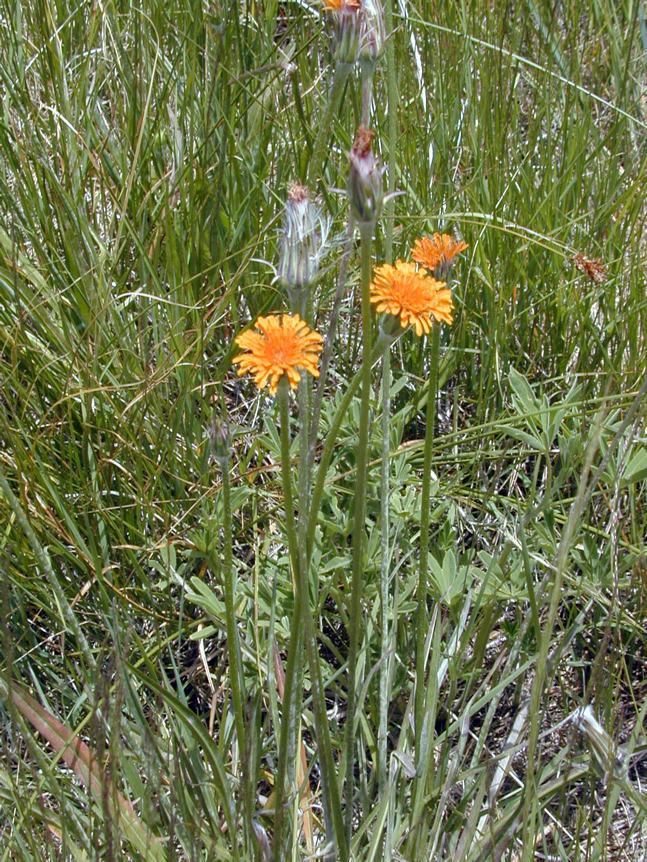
366 235
293 692
367 93
385 667
340 75
236 677
289 717
380 345
384 575
331 801
421 620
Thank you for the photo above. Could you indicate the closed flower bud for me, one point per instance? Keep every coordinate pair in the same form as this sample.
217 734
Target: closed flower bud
372 32
301 240
348 42
390 327
365 187
348 28
220 440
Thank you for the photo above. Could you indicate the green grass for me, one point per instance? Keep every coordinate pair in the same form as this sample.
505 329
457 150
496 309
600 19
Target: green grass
145 154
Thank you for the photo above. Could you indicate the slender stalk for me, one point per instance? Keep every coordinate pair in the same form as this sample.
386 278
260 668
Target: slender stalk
293 693
291 712
384 576
385 668
322 471
289 717
236 676
340 75
331 801
357 582
328 344
367 95
421 619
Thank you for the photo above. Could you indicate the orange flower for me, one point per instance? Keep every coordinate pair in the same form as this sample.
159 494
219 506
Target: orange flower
439 250
284 344
337 5
411 295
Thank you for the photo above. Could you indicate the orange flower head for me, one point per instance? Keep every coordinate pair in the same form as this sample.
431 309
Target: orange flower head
283 344
412 295
437 252
338 5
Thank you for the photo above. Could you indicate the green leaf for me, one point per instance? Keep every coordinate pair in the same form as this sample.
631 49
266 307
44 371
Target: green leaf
636 469
525 402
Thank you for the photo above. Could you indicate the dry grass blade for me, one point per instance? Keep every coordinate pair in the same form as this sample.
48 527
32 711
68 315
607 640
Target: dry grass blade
83 761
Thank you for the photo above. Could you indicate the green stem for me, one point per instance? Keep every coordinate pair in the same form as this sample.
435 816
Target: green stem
421 620
236 677
287 710
331 802
340 75
289 717
357 574
367 92
385 669
293 693
392 97
322 471
384 577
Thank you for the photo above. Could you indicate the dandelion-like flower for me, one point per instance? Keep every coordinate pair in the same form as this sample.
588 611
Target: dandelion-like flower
437 252
338 5
284 344
411 295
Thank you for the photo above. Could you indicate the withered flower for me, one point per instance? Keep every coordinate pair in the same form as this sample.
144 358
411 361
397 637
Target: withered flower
300 241
593 267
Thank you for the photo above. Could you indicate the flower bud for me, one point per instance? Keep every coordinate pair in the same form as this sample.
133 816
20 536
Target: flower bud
605 754
348 28
348 35
365 187
300 242
220 440
372 32
390 327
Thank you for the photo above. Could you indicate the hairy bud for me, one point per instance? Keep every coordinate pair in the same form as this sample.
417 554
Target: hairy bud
220 440
301 240
365 187
372 32
348 30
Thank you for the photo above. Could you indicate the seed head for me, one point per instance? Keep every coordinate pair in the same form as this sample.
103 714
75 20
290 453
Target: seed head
301 240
